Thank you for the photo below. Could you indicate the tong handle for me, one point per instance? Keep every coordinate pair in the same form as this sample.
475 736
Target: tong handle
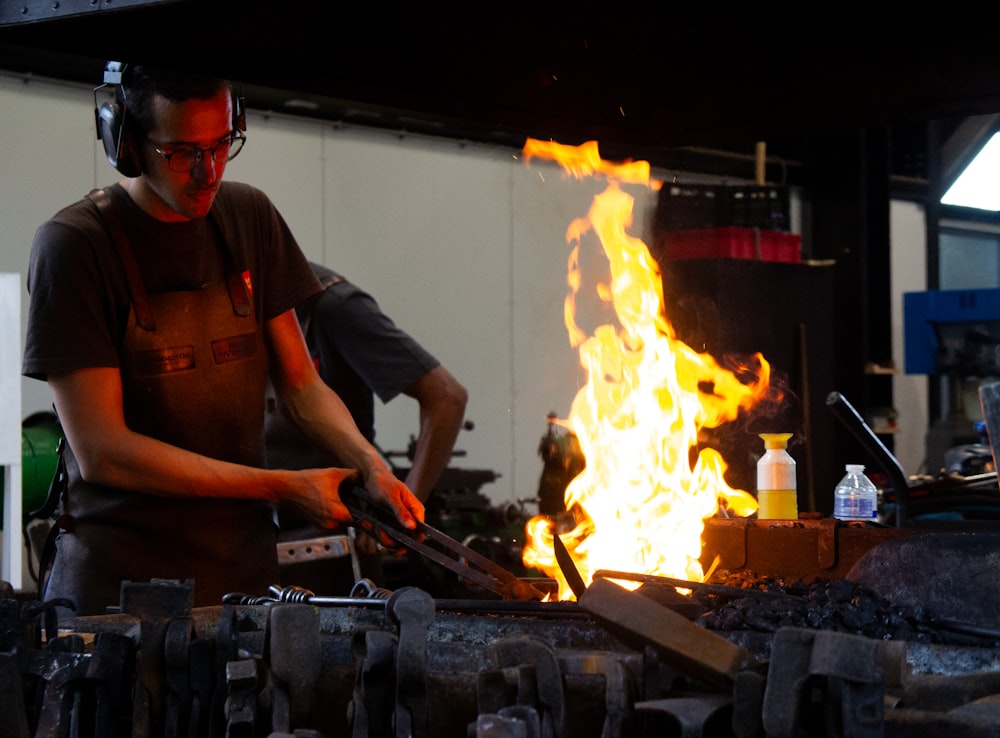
470 564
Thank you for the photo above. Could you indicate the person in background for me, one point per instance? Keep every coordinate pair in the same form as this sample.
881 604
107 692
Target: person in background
160 307
360 352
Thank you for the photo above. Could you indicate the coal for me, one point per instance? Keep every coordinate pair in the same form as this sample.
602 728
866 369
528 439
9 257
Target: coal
838 605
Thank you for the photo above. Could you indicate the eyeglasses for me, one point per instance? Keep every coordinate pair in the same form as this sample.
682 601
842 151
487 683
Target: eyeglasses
185 157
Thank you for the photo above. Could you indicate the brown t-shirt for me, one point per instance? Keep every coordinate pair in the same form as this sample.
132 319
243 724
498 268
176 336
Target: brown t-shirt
79 295
78 315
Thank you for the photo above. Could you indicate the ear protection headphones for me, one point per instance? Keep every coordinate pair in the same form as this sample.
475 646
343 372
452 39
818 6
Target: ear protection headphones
113 121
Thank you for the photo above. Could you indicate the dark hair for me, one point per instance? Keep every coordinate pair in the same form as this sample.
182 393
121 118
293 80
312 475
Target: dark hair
142 83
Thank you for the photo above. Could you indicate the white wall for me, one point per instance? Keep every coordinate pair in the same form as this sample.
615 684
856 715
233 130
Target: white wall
463 244
908 238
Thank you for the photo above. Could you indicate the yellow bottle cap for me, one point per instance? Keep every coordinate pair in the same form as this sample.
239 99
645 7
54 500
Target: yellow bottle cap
775 440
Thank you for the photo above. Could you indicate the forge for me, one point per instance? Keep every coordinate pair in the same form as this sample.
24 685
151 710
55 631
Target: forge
809 628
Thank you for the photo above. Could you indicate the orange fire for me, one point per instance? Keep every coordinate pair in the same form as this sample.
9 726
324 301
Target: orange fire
640 503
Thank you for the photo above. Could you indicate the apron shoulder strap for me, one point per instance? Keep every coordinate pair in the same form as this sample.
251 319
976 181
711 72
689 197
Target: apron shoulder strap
143 312
239 295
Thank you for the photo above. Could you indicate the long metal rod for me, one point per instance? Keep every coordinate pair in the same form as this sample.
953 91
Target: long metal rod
568 567
714 589
280 595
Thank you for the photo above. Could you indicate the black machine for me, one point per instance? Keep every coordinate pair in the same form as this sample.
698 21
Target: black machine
945 500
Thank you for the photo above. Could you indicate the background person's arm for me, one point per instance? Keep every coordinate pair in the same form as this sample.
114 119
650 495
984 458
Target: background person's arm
442 401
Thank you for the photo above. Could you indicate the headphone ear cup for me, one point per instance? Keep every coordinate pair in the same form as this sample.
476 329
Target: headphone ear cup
117 147
109 130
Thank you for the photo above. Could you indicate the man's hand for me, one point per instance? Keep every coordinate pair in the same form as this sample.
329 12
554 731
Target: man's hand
388 492
319 498
386 489
318 495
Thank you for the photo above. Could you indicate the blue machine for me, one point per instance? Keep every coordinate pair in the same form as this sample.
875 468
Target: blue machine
951 332
954 335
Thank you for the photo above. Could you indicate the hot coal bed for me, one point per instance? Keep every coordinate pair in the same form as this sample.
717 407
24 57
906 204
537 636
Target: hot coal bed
859 631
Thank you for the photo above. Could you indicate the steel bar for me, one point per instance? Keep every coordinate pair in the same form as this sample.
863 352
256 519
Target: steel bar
643 622
568 567
713 589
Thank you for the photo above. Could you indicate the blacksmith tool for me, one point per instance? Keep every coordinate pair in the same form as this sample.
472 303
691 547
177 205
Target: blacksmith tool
371 710
412 610
294 648
540 683
440 548
568 567
719 590
821 678
639 621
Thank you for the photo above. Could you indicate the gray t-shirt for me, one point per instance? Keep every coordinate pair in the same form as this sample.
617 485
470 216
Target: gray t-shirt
359 352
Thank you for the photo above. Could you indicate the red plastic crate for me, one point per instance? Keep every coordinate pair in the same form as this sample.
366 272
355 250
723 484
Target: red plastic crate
734 243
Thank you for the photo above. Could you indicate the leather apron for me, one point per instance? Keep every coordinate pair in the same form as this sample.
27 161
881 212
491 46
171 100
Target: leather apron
193 377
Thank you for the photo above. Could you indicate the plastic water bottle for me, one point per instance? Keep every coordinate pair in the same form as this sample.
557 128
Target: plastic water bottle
776 489
856 496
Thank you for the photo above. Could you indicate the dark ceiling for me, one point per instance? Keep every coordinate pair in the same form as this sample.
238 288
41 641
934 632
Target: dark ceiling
660 85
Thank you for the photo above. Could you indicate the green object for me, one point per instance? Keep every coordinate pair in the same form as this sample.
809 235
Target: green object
40 435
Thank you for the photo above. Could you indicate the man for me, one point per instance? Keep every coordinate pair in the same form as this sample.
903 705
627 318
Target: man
159 308
360 352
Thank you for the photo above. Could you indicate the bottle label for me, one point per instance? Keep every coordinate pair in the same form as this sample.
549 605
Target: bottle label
855 507
775 476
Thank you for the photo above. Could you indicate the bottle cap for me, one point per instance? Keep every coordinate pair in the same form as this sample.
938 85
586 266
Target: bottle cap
775 440
855 468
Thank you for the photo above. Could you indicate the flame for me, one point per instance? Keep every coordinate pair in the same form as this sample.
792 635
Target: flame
640 503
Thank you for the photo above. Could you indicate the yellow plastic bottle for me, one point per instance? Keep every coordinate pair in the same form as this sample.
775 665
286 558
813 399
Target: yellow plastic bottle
777 496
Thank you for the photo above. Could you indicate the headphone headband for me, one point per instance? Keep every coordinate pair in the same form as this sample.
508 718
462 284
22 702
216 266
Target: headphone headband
114 72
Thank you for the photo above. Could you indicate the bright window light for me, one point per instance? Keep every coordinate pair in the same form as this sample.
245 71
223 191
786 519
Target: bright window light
979 185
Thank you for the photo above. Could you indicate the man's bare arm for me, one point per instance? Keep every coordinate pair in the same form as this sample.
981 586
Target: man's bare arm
89 405
442 401
322 415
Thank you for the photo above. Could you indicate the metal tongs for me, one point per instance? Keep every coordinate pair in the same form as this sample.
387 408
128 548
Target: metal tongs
438 547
